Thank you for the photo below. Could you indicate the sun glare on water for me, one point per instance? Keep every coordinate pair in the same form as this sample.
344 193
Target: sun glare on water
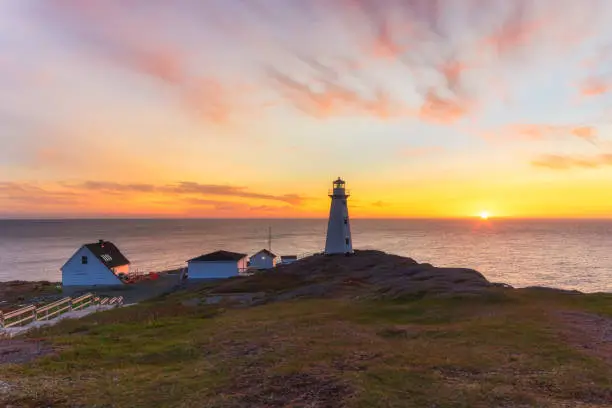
484 215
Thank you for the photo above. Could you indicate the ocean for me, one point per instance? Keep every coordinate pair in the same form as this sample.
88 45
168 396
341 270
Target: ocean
569 254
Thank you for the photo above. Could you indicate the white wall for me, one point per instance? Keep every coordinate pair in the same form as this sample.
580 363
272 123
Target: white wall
337 230
262 260
214 270
75 273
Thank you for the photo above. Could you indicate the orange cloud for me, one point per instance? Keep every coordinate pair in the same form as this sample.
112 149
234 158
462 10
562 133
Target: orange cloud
560 162
186 188
107 198
28 193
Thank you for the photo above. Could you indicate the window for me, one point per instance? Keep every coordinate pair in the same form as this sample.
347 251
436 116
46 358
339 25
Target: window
346 221
347 241
84 260
106 258
344 202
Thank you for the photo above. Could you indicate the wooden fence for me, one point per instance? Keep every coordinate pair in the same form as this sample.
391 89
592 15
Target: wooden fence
32 313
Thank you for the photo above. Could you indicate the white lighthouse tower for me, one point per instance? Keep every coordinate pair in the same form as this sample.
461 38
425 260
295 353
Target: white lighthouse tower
338 239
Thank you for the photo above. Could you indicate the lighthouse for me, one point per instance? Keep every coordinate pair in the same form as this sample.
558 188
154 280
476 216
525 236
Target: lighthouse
338 239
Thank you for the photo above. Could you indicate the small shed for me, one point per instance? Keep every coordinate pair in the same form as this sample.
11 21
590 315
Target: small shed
217 265
263 259
287 259
95 264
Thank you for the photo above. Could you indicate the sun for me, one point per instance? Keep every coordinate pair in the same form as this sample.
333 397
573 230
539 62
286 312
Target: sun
484 215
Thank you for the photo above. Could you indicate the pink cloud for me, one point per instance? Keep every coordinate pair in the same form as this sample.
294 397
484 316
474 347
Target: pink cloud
421 36
595 87
133 42
334 99
443 110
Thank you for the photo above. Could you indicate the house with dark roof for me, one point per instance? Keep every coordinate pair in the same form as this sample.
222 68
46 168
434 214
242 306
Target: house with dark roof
287 259
97 264
217 265
263 259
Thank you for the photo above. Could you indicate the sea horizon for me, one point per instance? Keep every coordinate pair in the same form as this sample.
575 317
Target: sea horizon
564 253
466 218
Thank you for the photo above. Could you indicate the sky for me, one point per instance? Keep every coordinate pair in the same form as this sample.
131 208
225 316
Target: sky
251 108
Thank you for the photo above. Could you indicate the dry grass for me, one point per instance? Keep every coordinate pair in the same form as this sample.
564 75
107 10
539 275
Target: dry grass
501 349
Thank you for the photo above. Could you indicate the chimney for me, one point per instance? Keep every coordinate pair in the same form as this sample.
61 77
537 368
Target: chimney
101 242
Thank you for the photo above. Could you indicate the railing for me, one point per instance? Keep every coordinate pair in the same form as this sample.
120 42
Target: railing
138 275
82 302
18 317
331 192
53 310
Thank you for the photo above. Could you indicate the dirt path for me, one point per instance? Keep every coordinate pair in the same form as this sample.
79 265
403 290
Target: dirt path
589 332
19 351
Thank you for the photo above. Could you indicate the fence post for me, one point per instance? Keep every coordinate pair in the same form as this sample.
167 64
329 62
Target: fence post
1 320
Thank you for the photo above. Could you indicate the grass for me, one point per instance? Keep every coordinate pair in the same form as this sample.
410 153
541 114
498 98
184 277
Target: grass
498 350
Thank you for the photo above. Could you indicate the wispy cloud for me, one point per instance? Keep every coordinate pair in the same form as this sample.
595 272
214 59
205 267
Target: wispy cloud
536 131
28 193
411 152
380 204
135 42
561 162
443 109
186 188
596 86
331 98
424 38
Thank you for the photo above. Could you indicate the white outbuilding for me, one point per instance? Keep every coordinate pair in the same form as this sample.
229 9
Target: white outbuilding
95 264
217 265
263 259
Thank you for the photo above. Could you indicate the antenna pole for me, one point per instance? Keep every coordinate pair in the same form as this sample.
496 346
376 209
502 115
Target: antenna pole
270 239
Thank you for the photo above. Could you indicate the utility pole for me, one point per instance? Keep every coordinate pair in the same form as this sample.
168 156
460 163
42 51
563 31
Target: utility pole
270 239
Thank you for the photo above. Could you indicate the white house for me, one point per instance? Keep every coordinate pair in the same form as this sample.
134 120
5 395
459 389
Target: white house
216 265
95 265
287 259
263 259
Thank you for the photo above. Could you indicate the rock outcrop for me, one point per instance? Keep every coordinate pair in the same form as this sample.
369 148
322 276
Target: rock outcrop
364 274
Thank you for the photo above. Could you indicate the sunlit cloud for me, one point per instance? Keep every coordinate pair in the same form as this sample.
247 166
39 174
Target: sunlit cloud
562 162
596 86
186 188
245 106
536 132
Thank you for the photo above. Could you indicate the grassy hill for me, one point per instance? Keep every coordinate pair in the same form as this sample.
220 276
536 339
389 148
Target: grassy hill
331 332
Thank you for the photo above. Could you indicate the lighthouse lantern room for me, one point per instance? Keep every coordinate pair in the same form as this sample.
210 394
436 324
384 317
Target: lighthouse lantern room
338 239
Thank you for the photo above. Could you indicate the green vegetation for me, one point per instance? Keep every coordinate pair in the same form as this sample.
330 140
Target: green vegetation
498 349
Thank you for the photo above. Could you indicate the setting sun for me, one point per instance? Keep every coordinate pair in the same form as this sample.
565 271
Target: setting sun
484 215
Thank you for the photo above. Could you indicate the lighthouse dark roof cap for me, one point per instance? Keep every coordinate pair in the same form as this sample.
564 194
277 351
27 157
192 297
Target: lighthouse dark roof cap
108 254
218 256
